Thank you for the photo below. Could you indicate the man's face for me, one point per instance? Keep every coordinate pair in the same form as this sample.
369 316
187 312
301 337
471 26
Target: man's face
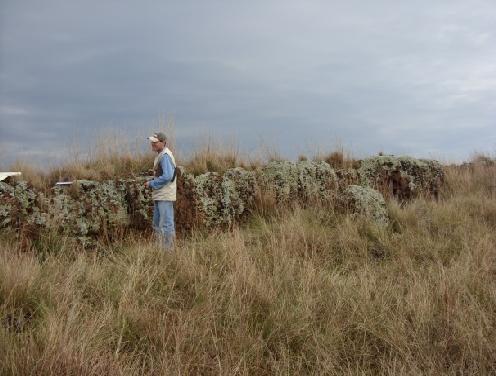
157 146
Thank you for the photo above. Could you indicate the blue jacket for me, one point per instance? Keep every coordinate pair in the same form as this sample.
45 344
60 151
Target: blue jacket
168 173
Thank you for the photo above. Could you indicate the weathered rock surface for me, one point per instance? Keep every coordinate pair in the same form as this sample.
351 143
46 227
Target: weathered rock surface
89 208
301 181
21 204
367 202
402 177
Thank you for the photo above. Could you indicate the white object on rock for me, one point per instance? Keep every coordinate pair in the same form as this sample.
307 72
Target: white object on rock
5 175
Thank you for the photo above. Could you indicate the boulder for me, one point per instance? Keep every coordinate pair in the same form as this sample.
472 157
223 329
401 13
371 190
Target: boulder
218 200
298 181
402 177
366 202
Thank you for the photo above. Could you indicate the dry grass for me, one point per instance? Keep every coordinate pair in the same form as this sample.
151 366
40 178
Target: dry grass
111 158
215 157
338 159
306 291
116 156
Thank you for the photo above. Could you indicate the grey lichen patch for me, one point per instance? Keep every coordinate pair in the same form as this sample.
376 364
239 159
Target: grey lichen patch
238 193
214 199
402 177
20 205
299 181
138 201
6 204
187 207
367 202
5 218
100 206
64 213
281 177
208 193
84 210
316 180
218 200
346 177
90 208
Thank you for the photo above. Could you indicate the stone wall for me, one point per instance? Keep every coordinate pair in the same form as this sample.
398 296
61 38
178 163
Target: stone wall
87 209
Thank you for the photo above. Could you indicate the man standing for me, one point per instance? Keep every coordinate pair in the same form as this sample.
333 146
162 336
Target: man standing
164 190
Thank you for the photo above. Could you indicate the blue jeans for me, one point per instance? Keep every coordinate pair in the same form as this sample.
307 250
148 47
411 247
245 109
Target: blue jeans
163 222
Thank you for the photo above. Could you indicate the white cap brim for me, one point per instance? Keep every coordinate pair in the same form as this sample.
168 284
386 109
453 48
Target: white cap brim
153 139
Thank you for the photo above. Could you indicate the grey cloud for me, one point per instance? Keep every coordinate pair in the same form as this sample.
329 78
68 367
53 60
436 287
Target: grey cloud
398 77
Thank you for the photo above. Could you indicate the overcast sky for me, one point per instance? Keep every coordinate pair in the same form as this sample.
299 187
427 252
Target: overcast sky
415 78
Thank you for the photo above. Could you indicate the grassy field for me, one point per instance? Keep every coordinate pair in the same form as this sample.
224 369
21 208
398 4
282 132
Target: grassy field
300 291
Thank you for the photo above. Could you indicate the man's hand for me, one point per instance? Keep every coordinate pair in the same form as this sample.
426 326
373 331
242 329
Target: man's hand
147 184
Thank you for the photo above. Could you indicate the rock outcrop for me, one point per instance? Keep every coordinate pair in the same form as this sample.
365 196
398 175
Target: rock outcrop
86 209
402 177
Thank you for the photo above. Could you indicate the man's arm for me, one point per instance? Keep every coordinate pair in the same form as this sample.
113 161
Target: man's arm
167 173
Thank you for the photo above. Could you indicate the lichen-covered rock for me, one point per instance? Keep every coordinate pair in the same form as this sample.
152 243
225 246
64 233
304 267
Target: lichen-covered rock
103 204
138 201
212 199
64 214
83 210
300 181
346 177
208 196
238 193
187 209
20 204
7 204
317 181
87 209
367 202
402 177
281 178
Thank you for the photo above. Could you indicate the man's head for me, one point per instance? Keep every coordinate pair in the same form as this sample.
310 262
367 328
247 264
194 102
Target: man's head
158 141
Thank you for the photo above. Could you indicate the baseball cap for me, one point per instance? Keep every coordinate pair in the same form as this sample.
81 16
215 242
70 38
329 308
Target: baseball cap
159 136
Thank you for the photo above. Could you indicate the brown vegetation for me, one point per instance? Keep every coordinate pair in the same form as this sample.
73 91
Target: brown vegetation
299 291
